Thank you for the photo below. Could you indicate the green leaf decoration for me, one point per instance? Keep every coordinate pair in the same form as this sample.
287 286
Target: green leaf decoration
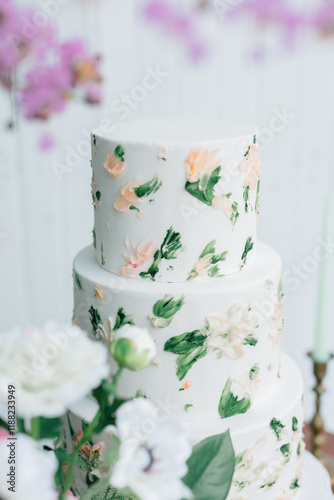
185 361
94 238
211 468
248 247
294 484
246 198
254 372
170 249
294 424
257 199
119 152
203 189
148 188
122 319
254 139
210 248
230 405
188 407
299 448
94 140
103 261
247 152
250 340
277 427
95 319
167 307
212 267
78 282
190 348
132 207
235 214
286 451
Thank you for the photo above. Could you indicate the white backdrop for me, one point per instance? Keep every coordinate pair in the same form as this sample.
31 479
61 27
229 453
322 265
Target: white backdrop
44 222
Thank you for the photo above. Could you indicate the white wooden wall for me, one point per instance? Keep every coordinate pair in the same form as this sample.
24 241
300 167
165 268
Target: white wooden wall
44 222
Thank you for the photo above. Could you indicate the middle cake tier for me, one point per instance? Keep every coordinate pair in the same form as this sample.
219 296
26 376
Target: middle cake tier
218 342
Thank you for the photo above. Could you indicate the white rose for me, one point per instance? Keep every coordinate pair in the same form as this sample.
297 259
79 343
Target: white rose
153 453
50 367
35 472
133 347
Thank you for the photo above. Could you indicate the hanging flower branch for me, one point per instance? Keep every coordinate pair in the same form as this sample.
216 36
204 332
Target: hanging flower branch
42 74
180 25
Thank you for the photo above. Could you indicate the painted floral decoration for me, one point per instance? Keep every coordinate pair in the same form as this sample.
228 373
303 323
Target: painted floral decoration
137 257
248 470
133 193
228 335
96 194
164 311
207 265
105 330
203 174
251 165
115 163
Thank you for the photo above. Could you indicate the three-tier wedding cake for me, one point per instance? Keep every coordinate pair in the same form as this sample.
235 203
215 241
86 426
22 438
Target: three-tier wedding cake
176 204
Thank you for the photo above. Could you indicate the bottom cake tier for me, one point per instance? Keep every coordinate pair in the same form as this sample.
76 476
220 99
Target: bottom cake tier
268 440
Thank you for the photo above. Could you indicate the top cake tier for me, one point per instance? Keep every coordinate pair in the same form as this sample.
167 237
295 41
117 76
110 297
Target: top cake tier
175 200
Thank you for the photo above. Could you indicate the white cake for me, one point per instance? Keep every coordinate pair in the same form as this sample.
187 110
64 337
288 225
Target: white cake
176 206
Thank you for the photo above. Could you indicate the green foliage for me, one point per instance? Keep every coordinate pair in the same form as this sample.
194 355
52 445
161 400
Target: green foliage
95 319
250 340
248 247
122 319
277 427
170 249
286 451
78 282
235 214
148 188
203 189
119 152
103 261
257 199
211 468
254 372
211 266
167 307
294 424
189 347
230 405
246 198
294 484
94 238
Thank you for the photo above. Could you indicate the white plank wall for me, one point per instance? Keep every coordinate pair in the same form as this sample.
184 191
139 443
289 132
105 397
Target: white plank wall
44 222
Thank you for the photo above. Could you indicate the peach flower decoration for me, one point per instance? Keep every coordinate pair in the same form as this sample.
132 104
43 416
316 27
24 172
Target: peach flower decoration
114 165
224 204
127 196
98 292
137 257
200 162
251 165
187 385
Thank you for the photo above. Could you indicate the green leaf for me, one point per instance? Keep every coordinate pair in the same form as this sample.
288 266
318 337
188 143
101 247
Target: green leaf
103 261
95 319
230 405
94 238
235 214
203 189
132 207
280 293
171 246
213 180
254 139
62 456
148 188
211 468
250 340
277 427
119 152
248 247
78 282
187 407
154 268
49 428
286 451
246 198
186 342
210 248
167 307
257 199
185 361
294 484
248 150
122 319
294 424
